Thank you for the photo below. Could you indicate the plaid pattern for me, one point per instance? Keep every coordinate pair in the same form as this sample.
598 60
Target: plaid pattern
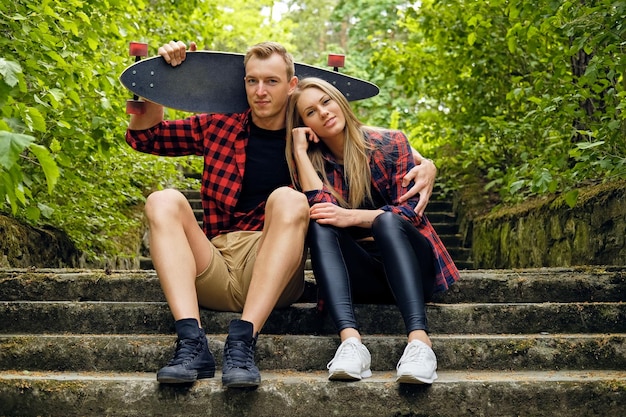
390 160
221 139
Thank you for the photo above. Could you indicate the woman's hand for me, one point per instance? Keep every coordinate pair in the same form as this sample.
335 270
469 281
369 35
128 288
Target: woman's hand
333 215
328 213
307 177
301 138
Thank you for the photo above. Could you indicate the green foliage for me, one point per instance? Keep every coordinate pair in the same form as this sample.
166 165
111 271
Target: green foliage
529 95
16 146
246 22
63 158
312 34
523 98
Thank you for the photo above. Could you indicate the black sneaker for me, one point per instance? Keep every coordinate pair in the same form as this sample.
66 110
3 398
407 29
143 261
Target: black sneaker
239 370
192 359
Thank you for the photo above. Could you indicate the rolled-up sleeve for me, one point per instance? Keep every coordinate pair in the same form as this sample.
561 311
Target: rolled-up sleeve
170 138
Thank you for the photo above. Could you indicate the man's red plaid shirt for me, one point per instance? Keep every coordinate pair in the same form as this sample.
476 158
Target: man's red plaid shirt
221 139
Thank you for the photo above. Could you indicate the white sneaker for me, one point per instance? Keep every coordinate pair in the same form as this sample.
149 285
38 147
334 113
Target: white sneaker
351 362
417 365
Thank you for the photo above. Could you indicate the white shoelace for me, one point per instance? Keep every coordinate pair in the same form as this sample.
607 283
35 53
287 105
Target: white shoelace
347 350
416 352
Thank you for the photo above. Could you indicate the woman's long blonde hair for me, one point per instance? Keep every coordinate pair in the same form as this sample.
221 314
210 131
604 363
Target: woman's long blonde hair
355 152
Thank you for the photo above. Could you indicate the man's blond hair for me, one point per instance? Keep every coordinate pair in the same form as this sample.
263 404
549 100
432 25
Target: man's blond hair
264 50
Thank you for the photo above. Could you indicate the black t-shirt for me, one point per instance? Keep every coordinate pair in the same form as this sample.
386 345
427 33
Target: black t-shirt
266 167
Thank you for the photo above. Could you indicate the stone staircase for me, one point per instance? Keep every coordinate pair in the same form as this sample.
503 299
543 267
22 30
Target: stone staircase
541 342
440 212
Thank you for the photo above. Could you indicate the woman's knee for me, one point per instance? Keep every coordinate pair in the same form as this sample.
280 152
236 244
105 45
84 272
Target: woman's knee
320 232
317 235
384 222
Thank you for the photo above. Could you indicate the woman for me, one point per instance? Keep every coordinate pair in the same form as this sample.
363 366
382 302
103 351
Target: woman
366 247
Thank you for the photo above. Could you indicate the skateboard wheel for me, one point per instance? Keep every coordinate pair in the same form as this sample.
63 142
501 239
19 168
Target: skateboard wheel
135 107
336 60
138 49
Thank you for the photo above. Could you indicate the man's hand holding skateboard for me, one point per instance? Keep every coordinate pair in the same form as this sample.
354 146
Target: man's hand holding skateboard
175 52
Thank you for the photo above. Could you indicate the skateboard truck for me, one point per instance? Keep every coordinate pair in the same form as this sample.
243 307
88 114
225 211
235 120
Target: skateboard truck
137 106
336 61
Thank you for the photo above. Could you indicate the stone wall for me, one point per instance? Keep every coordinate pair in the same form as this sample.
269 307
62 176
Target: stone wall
23 246
540 233
547 232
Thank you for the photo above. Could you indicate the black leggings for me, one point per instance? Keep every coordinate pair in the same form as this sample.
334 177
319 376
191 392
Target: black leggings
397 267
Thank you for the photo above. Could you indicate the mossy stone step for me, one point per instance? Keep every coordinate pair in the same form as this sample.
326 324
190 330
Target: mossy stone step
147 353
583 284
288 394
155 317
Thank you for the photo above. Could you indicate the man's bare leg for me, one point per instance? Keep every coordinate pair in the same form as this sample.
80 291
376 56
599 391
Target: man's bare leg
279 254
180 251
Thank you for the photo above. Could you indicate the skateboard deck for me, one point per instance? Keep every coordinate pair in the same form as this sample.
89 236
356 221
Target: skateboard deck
213 82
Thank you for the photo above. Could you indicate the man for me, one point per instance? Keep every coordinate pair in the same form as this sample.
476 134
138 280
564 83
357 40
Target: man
249 256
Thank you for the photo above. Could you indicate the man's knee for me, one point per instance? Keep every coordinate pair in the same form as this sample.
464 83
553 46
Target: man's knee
288 204
164 203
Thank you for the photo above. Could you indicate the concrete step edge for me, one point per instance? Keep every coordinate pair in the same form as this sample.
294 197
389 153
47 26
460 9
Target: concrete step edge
154 317
70 274
527 285
561 393
291 376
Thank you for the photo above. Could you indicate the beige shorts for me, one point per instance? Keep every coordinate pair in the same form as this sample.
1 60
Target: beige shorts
223 285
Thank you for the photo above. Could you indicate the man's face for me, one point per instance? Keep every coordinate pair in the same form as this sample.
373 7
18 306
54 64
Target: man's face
268 89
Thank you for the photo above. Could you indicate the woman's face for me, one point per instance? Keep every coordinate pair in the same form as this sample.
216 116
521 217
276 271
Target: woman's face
321 113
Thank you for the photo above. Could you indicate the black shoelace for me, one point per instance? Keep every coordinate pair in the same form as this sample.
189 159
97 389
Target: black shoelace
240 354
185 349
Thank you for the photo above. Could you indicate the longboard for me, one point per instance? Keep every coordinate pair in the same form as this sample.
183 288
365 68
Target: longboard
213 82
